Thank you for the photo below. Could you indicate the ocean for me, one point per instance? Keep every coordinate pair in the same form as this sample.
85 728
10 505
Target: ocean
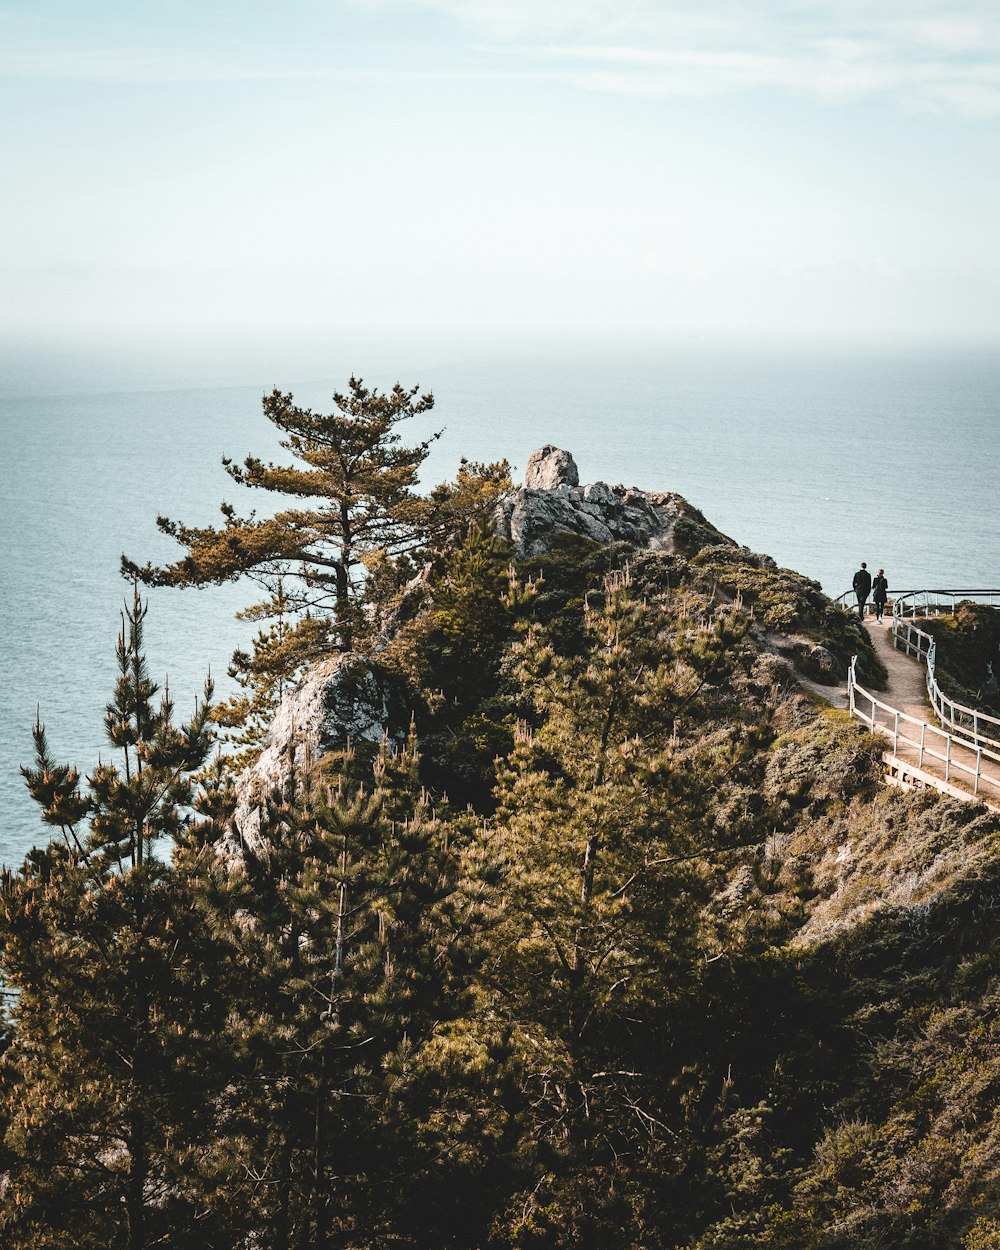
819 459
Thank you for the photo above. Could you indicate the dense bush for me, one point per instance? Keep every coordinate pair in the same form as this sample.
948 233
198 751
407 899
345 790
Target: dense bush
968 655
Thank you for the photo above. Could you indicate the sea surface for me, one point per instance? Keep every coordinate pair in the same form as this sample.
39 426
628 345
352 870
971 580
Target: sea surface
819 459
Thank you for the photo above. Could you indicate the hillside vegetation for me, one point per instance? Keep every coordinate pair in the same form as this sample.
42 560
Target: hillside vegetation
968 655
617 940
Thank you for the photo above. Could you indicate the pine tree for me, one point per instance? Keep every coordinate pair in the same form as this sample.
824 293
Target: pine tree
359 479
470 617
333 560
609 812
361 927
109 1081
450 657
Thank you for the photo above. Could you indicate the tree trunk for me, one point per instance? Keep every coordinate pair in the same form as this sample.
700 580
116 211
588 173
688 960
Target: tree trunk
344 630
321 1205
135 1196
282 1226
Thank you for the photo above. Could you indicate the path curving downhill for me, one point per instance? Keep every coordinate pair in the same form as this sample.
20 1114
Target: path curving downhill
907 688
922 753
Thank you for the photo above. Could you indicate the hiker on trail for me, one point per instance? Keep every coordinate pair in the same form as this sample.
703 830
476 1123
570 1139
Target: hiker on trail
862 587
880 592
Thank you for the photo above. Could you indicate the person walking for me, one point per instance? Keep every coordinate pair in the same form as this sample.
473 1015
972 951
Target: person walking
862 587
880 592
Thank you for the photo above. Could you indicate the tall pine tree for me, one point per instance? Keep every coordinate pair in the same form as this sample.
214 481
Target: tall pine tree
116 1056
361 914
331 561
610 812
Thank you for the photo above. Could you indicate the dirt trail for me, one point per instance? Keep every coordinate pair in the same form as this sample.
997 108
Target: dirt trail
921 753
907 689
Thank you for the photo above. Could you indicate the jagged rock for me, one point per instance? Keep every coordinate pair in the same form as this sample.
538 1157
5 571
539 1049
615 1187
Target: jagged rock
549 467
597 495
340 701
552 503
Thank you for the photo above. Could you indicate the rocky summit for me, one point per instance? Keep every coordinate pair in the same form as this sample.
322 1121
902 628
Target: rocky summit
552 503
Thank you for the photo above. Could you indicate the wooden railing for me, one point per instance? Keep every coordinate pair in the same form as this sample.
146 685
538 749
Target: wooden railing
978 728
970 770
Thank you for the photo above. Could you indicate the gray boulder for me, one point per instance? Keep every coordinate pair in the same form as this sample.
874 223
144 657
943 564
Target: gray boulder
340 701
549 467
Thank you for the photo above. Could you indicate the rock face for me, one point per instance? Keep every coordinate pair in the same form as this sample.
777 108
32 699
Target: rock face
341 700
549 467
553 502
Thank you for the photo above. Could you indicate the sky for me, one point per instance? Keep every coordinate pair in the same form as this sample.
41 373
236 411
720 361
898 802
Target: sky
581 166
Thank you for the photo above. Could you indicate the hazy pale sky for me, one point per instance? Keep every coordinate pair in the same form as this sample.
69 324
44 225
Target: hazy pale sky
749 167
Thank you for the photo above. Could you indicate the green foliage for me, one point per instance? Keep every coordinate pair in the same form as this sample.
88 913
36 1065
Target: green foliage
361 913
984 1235
693 532
908 1155
691 977
823 765
450 658
115 1059
789 603
456 647
471 497
611 839
968 655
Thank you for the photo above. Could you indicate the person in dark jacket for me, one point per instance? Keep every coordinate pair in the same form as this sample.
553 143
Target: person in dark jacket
862 587
880 592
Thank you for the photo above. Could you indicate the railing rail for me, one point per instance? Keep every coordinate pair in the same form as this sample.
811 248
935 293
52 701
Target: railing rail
977 728
979 764
939 597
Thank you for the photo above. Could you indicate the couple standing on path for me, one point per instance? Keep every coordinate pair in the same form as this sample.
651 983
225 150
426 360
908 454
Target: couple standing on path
864 586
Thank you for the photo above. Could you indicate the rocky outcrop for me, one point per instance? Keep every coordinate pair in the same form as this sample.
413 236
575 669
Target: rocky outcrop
553 503
340 701
345 699
549 467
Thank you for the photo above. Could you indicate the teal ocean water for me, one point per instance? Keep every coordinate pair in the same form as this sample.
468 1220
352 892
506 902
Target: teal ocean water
820 461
